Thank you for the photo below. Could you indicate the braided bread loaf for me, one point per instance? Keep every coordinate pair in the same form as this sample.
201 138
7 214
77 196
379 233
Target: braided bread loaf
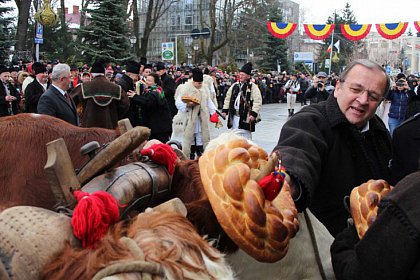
260 227
364 201
190 98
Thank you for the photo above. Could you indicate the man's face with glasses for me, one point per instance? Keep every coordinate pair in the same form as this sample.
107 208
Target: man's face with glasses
360 94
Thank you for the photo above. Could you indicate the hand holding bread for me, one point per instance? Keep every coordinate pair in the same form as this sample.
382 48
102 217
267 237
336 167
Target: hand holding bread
260 227
364 201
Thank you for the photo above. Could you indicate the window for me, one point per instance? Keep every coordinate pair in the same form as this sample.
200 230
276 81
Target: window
188 20
188 5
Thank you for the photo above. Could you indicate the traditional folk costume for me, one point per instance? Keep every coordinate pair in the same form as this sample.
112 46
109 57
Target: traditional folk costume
243 100
195 119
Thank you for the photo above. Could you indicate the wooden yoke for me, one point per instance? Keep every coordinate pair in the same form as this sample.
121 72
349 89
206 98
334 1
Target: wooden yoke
60 173
124 125
116 151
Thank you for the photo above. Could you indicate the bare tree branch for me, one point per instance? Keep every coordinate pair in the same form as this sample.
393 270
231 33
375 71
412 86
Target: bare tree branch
155 10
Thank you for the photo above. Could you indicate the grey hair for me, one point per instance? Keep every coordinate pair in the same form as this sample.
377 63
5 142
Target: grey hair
59 70
97 74
370 65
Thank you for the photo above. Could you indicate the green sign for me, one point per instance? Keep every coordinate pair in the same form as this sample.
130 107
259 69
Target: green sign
168 55
168 51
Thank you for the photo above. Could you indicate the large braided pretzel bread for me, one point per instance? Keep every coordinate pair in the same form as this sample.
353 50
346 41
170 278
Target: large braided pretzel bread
364 201
260 227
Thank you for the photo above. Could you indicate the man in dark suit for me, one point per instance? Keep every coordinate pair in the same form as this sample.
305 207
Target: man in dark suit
55 101
168 85
36 88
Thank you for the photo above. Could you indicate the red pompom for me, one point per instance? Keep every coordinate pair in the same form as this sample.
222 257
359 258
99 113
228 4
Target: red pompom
271 186
214 118
93 215
162 154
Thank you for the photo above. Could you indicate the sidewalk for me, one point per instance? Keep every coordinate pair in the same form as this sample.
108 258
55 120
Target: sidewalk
267 132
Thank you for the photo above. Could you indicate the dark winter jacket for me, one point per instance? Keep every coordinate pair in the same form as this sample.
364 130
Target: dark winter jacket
155 111
329 157
169 87
134 112
32 94
406 149
413 105
399 101
390 249
316 95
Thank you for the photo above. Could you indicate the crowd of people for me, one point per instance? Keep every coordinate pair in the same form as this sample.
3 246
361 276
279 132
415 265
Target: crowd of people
327 148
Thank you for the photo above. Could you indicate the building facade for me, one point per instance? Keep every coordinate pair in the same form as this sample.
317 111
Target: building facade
183 17
401 53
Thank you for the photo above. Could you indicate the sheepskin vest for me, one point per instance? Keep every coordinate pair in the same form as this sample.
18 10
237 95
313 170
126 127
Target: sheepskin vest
197 113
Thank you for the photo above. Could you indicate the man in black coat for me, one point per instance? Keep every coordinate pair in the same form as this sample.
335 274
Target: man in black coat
168 86
331 147
389 250
128 83
406 149
55 101
36 88
9 97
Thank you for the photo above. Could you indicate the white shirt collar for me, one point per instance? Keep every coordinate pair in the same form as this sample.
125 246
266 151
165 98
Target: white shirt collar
59 89
365 128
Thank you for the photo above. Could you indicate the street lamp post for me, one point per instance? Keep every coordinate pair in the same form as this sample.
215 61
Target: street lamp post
133 41
195 53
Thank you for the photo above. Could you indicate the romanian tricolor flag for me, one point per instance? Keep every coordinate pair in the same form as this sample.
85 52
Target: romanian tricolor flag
355 32
417 25
318 31
281 29
391 30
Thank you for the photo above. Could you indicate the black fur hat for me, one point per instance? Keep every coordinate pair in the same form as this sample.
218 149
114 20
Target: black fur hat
98 67
3 69
197 75
247 68
38 67
132 67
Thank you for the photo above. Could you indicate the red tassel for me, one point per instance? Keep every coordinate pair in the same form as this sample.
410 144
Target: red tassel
214 118
93 215
162 154
271 186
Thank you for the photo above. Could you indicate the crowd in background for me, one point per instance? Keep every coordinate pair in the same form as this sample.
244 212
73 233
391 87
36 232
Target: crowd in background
16 97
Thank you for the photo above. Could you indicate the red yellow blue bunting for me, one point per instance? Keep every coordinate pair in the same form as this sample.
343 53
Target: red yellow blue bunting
318 31
417 25
391 30
281 29
355 32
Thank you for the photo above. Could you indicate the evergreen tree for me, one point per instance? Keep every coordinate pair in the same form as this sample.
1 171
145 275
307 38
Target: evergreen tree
347 47
6 40
57 44
273 49
106 36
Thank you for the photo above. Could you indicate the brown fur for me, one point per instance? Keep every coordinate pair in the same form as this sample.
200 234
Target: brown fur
187 185
23 155
165 238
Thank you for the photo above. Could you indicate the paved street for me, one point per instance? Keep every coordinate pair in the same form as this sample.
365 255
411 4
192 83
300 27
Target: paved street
267 132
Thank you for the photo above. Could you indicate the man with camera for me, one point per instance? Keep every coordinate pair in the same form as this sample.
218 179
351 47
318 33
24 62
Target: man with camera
317 92
399 96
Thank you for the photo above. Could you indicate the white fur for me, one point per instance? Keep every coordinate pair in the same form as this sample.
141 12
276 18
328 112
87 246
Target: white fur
299 262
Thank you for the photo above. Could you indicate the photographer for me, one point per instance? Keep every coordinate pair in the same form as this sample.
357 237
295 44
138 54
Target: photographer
398 96
317 92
